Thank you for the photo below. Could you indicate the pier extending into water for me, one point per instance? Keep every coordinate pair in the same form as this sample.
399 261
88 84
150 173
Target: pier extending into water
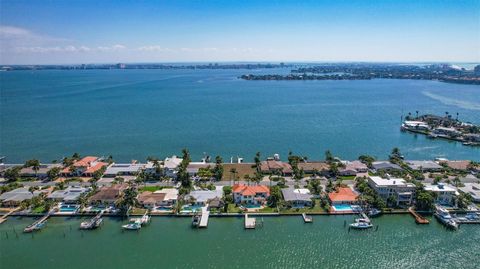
204 218
418 218
250 223
5 217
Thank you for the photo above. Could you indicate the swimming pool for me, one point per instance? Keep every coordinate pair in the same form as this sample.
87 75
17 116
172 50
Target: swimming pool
66 208
342 207
191 208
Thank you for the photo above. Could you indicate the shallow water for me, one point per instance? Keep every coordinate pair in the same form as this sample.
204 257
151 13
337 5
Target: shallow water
283 242
132 114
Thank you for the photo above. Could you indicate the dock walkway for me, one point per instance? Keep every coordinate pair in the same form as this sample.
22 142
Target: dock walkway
4 217
204 218
250 223
418 219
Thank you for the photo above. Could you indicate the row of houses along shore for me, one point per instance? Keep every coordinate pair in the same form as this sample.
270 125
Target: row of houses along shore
176 185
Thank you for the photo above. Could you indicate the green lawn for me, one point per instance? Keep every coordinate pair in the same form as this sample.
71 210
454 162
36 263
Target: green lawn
137 211
150 188
38 209
347 177
315 209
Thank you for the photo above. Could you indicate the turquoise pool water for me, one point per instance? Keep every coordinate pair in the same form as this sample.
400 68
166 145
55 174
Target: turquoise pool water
343 207
191 208
252 206
68 208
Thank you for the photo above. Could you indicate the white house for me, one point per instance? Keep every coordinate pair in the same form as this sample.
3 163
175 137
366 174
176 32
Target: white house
170 166
398 188
445 194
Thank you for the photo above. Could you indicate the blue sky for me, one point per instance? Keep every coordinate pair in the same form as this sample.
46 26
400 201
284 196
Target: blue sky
48 32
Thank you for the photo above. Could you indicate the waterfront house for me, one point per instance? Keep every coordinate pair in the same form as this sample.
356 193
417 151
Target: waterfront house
274 166
446 131
108 195
424 166
445 194
342 195
123 169
385 166
170 166
170 199
15 197
322 168
86 167
194 167
41 173
243 194
352 168
151 200
203 197
401 191
473 189
69 195
416 126
297 198
472 138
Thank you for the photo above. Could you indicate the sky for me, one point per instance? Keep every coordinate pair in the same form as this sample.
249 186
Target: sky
74 32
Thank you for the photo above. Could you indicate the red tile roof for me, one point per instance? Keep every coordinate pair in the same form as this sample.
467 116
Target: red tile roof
85 161
343 194
250 190
96 167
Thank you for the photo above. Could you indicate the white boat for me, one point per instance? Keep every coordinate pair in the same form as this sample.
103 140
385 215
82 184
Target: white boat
374 212
307 219
91 224
132 226
195 221
445 218
145 219
361 225
472 216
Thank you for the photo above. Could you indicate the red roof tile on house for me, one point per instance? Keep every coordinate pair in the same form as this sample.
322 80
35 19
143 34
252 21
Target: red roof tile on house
250 190
343 194
96 167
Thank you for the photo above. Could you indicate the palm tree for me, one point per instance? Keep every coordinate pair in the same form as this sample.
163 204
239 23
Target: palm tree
416 113
257 161
233 172
247 178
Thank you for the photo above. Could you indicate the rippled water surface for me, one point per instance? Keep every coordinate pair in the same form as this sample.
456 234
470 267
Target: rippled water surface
132 114
283 242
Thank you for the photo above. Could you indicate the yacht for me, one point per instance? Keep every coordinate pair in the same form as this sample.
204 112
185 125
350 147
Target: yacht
361 225
445 218
136 225
374 212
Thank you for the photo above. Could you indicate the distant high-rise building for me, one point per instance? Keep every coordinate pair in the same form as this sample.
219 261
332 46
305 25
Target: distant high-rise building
120 66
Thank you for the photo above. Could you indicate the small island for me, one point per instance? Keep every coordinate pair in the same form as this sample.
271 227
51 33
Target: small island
439 72
445 127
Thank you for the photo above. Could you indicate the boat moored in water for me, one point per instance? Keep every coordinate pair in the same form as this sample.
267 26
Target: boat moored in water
445 218
361 225
136 225
374 212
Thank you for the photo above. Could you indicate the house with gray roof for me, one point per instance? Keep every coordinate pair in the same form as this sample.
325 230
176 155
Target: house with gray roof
428 166
123 169
16 196
297 197
385 166
202 197
69 195
473 189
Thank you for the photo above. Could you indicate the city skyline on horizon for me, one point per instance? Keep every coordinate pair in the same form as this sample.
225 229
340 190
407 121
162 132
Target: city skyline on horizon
239 31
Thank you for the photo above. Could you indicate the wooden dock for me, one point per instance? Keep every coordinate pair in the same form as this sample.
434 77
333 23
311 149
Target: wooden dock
4 217
250 223
418 218
37 225
204 218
